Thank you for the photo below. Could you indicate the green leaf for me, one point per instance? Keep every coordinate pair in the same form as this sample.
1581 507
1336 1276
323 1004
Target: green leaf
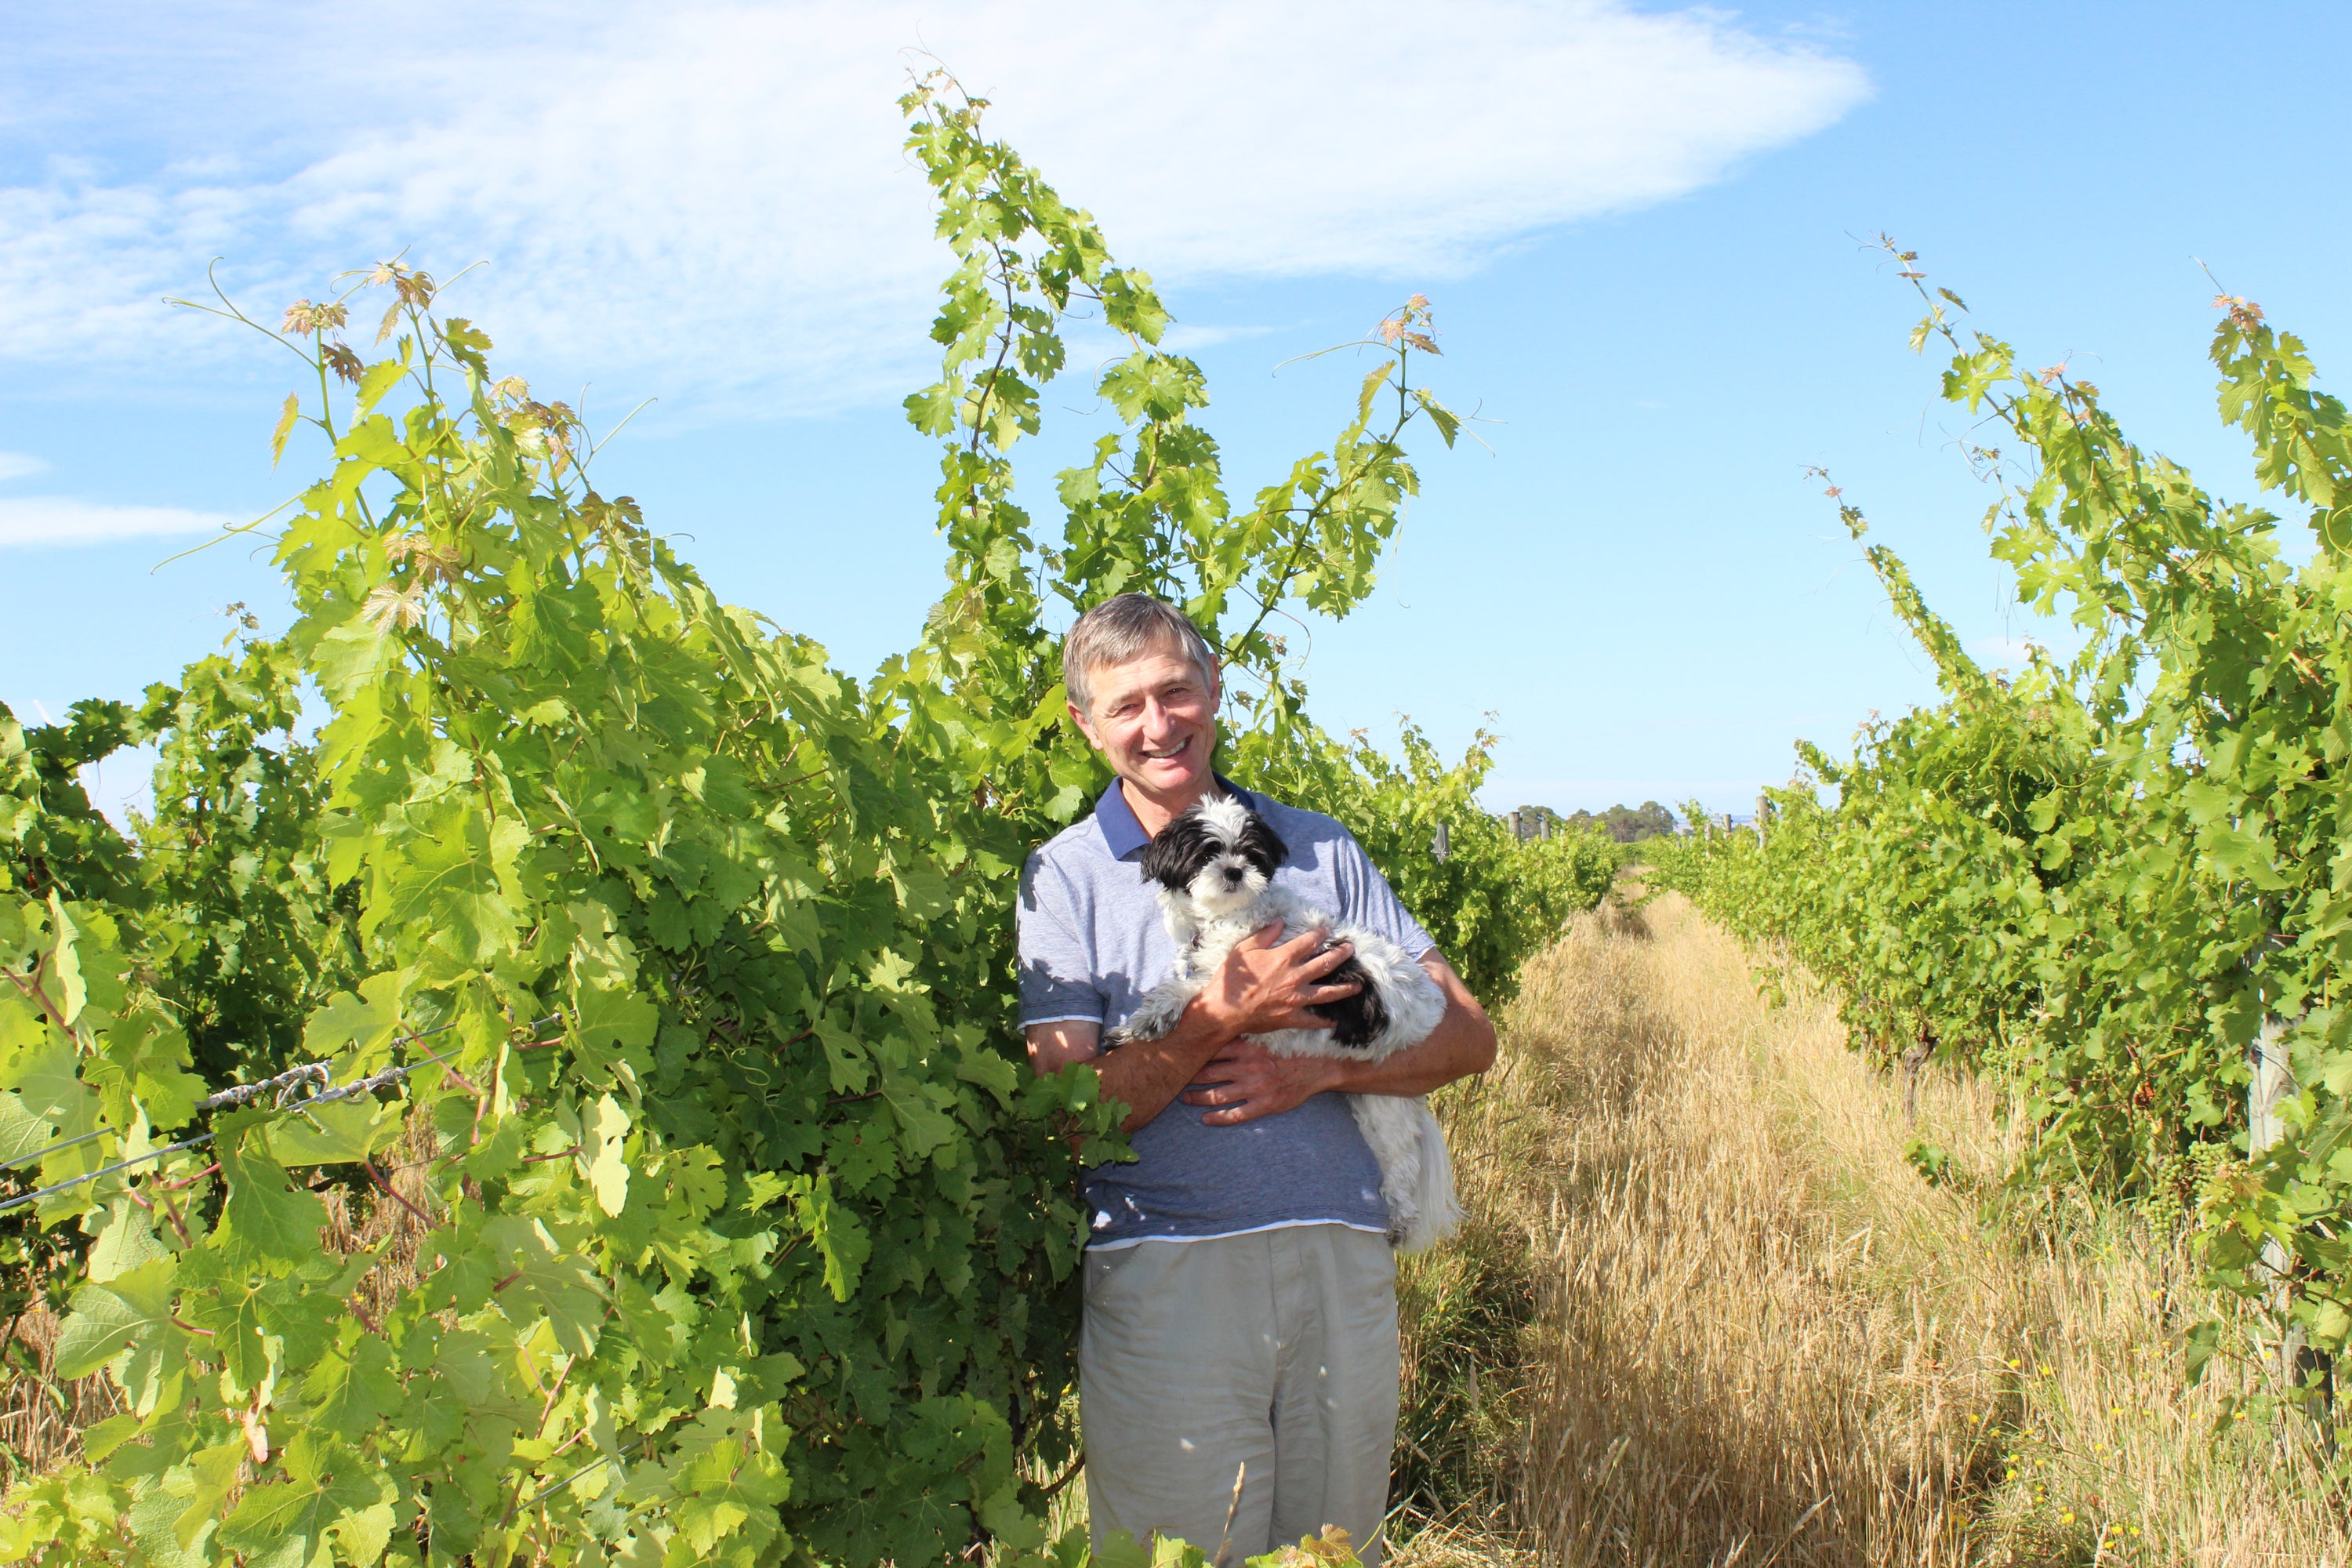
21 1132
1120 1550
286 418
375 380
2241 854
839 1236
329 1490
126 1242
616 1019
342 1133
363 1024
153 1522
981 1066
538 1277
350 1390
265 1217
607 1128
73 990
1448 423
130 1316
447 881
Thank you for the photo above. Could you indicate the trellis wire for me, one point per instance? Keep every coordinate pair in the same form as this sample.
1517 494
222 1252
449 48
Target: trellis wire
240 1094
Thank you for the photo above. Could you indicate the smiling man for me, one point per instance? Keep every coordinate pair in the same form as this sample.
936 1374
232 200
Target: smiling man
1237 1371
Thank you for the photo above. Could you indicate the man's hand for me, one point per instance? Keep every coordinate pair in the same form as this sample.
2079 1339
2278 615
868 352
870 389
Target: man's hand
1260 987
1263 986
1244 1081
1247 1081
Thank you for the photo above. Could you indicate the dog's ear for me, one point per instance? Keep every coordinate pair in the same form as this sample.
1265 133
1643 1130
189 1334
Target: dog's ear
1261 843
1172 857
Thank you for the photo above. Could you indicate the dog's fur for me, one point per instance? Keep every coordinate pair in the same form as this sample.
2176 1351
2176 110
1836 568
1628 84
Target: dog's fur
1215 868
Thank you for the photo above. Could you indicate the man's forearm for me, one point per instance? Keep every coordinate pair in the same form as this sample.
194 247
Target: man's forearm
1145 1075
1445 1056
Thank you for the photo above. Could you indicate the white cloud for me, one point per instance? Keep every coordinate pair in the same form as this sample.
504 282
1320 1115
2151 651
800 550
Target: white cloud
28 520
709 201
17 465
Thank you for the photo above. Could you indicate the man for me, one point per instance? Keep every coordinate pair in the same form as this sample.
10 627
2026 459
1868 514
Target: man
1237 1371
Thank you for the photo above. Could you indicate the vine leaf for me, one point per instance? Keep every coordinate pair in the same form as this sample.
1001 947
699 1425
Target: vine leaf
286 418
266 1218
133 1311
328 1491
608 1173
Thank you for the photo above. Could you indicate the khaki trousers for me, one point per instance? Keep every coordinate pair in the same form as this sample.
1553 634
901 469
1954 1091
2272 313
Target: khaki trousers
1272 1357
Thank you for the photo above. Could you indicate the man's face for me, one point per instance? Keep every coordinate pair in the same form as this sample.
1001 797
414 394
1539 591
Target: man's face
1154 719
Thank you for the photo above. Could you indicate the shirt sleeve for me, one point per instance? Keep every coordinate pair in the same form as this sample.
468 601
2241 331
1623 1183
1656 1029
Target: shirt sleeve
1055 960
1367 899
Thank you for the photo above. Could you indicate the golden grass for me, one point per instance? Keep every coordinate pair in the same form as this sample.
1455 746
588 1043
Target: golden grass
42 1417
41 1414
1745 1331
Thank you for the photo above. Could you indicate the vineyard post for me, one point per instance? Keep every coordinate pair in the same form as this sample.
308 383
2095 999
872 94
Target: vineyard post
1513 818
2271 1083
1763 810
1442 845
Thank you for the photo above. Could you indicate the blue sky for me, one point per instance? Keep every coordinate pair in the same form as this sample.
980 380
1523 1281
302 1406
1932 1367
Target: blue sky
1641 227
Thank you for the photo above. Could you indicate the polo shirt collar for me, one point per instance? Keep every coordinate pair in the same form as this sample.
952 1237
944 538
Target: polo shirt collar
1124 834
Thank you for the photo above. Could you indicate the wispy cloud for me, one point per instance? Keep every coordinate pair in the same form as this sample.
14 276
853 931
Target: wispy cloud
30 521
708 200
17 465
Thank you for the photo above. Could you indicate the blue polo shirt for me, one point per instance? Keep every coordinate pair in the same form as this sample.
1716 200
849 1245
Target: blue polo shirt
1092 945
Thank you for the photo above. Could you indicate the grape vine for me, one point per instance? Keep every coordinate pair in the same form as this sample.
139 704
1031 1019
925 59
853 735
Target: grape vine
648 977
2108 877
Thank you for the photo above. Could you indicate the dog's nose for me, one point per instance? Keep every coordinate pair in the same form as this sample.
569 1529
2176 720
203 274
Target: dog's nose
1232 873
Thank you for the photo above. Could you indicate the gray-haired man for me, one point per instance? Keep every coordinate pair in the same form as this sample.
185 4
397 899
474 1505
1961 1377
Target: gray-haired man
1239 1358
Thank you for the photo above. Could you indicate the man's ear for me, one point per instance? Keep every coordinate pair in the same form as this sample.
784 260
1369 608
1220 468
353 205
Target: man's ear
1086 726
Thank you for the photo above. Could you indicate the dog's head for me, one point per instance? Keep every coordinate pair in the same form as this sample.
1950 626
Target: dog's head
1220 853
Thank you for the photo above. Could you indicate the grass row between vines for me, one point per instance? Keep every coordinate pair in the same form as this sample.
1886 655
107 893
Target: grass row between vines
1707 1314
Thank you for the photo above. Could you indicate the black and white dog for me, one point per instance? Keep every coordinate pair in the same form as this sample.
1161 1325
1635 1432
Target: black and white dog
1215 868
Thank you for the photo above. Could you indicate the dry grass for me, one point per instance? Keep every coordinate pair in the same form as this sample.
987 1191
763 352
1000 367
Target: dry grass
1708 1313
42 1417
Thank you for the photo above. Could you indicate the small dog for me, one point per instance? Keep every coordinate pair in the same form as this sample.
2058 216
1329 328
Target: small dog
1215 868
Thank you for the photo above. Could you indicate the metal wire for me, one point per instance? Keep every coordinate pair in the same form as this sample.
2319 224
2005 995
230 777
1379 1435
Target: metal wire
245 1093
37 1194
235 1094
44 1153
536 1497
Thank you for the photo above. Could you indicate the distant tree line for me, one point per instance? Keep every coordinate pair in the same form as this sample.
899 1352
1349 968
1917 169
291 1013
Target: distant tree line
1625 824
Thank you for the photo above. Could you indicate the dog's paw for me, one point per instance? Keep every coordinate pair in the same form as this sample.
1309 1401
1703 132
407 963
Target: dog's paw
1156 1017
1139 1027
